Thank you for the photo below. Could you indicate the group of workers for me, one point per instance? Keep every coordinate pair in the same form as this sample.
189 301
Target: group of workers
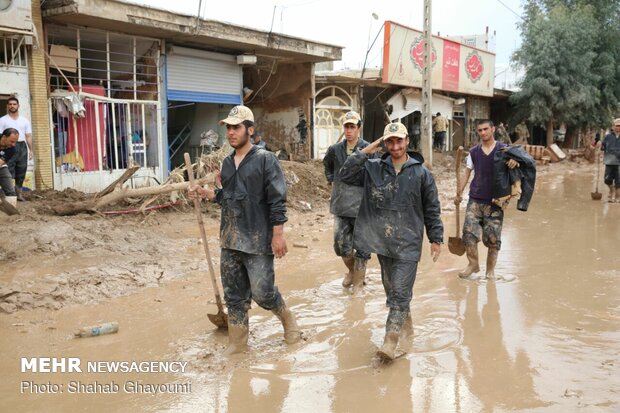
382 204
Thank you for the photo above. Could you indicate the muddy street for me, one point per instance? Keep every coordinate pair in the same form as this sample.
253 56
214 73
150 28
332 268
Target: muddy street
546 341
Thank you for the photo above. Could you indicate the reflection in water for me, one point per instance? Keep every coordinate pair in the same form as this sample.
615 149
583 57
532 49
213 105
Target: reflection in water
359 387
490 373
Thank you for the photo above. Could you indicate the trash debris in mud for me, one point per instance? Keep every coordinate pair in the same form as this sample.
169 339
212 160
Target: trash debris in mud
305 206
97 330
572 393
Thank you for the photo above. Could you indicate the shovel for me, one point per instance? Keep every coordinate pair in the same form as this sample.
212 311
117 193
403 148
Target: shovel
455 244
596 196
221 318
6 206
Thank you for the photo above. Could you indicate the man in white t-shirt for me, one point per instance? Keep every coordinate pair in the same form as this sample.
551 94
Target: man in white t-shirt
18 165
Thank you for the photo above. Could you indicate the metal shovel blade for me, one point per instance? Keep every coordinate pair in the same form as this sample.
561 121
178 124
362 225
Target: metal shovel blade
456 246
220 320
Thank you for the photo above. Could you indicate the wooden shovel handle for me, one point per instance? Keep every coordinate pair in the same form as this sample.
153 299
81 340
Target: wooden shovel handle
203 234
459 156
598 166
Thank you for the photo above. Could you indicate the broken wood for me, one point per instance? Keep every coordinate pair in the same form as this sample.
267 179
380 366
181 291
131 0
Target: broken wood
125 176
120 193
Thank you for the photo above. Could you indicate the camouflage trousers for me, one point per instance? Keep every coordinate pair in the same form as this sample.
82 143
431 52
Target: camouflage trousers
483 219
246 277
343 238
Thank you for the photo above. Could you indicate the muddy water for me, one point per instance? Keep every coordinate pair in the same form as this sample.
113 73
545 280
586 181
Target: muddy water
546 341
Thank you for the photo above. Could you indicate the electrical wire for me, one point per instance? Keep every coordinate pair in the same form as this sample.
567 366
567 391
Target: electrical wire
273 66
511 10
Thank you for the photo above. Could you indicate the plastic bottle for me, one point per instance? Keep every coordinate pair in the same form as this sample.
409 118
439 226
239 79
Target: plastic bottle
92 331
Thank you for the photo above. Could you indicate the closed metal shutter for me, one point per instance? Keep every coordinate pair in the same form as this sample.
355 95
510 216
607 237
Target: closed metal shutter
200 76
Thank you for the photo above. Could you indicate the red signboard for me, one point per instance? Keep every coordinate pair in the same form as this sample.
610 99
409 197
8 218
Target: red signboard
450 73
455 67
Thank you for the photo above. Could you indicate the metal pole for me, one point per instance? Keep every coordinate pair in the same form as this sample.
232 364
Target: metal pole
427 90
79 61
135 92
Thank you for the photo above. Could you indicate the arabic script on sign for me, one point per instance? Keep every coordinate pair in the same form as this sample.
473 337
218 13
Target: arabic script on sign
474 66
417 53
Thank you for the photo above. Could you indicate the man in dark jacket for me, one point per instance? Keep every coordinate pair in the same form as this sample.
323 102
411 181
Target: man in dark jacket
400 200
8 141
253 201
611 159
482 216
345 201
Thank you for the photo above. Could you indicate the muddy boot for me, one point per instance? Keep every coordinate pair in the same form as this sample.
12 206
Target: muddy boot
612 191
491 261
395 321
387 352
237 337
472 257
359 274
348 278
20 196
617 195
292 333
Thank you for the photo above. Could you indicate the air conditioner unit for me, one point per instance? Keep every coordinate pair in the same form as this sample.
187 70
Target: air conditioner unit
16 16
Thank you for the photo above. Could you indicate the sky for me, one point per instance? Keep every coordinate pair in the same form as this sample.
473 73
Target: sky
351 24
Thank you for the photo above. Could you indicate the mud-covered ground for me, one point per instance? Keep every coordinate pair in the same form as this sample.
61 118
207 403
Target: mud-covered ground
547 341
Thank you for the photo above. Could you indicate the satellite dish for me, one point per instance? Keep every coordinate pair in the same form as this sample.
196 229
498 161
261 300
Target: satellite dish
5 4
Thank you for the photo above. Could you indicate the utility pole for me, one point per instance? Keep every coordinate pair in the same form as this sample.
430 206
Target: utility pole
427 90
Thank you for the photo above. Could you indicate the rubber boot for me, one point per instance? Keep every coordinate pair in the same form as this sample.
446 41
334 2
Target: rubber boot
612 191
491 261
617 195
387 352
20 196
393 326
292 333
237 338
359 274
472 257
348 278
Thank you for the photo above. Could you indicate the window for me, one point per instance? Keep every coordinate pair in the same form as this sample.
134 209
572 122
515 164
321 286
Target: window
13 51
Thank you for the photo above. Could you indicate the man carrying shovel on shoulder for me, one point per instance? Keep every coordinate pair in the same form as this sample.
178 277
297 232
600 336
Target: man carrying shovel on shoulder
253 201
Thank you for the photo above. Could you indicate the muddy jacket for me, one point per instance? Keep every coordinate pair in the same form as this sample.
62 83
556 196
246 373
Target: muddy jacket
395 209
611 147
504 177
345 201
253 200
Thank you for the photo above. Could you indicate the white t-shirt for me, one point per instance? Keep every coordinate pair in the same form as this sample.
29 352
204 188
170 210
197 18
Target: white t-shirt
21 124
469 163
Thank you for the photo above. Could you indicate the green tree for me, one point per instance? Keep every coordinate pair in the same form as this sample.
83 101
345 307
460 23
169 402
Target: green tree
570 60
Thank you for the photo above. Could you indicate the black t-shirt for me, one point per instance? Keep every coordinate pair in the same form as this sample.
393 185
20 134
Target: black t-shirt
6 154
